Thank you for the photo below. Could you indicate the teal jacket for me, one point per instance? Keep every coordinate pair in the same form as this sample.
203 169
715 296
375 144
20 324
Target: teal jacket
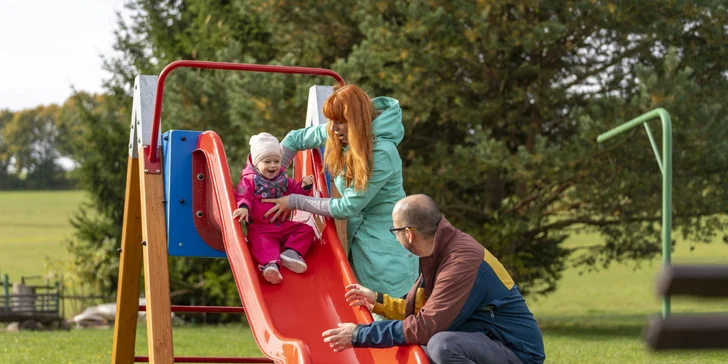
378 260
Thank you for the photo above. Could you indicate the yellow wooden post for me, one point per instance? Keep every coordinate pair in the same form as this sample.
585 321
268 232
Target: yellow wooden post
130 268
144 240
156 269
340 224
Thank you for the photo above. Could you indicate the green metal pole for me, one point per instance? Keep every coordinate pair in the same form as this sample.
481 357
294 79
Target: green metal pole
666 169
666 199
654 147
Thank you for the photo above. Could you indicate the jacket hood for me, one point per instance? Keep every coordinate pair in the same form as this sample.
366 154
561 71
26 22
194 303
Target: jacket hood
388 125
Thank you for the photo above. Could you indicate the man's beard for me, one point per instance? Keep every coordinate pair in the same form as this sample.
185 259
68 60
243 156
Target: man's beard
409 248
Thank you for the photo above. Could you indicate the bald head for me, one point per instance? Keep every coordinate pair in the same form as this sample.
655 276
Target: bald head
420 212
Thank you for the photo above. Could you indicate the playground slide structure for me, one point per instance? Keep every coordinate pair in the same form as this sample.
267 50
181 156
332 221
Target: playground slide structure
179 202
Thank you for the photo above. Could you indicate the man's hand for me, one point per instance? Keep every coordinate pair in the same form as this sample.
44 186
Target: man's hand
241 214
358 295
306 181
341 338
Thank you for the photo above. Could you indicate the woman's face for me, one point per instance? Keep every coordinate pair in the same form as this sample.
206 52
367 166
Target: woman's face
341 130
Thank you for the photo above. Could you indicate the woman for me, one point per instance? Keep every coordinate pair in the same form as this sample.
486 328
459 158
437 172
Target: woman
361 155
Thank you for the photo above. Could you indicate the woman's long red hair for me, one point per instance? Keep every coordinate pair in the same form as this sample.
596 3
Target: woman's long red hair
351 105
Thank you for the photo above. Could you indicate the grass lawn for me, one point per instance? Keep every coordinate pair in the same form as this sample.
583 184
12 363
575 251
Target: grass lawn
599 317
94 345
591 318
33 226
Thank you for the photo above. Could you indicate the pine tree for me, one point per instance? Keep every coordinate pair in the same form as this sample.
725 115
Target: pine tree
502 104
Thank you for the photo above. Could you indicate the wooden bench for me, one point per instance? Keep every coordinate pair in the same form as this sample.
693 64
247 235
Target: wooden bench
690 331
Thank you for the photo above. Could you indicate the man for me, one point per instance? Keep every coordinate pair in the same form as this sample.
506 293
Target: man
464 308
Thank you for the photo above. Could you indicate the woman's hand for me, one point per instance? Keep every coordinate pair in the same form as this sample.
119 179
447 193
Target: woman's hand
281 209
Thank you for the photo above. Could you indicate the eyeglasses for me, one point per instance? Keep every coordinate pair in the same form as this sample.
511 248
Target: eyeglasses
394 230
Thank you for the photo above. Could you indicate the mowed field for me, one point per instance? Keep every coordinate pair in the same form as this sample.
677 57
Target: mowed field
33 226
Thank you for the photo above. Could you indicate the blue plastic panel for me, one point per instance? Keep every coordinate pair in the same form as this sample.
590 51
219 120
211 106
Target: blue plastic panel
182 237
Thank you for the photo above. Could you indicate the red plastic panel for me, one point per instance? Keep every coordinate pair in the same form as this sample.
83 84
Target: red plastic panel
204 203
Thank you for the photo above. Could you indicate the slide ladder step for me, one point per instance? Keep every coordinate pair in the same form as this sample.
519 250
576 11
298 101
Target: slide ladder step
207 359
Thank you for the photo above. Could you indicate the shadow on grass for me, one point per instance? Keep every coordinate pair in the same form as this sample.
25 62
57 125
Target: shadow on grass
594 326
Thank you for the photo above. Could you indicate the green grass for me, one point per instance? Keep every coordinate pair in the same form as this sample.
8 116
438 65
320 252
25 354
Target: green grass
34 226
591 318
599 317
94 345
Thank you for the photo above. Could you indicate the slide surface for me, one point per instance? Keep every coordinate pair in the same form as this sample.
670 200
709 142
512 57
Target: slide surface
287 319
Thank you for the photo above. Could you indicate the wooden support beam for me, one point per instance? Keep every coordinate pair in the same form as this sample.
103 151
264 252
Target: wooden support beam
694 280
340 224
130 269
694 331
156 269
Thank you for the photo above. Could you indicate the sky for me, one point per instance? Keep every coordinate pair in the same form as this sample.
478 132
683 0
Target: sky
49 46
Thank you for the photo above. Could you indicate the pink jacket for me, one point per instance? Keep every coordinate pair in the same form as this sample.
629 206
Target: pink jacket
253 187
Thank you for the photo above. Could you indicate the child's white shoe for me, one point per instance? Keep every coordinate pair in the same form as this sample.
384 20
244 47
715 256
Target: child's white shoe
271 273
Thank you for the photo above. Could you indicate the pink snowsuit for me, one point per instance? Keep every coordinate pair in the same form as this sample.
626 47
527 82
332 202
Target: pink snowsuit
266 238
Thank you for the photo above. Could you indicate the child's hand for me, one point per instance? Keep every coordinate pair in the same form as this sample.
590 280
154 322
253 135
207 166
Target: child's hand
307 181
241 214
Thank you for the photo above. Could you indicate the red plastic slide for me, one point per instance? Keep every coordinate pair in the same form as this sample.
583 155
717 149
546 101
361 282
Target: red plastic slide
287 319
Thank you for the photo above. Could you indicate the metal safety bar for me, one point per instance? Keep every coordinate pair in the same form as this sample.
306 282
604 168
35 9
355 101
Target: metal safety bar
152 151
202 309
207 359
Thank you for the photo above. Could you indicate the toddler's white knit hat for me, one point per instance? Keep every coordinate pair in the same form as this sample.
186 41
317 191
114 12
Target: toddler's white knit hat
264 145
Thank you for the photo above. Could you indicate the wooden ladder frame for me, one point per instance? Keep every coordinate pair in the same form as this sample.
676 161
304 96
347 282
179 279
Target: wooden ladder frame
143 242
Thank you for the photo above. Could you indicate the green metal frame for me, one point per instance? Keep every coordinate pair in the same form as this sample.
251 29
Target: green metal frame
665 164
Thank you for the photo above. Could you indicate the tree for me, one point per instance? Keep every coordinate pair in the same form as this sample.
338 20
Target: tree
30 139
163 32
7 179
502 105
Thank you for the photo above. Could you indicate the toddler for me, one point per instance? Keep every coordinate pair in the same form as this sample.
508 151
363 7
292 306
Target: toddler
263 177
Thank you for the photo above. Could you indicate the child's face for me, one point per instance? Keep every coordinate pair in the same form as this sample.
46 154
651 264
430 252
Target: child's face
269 166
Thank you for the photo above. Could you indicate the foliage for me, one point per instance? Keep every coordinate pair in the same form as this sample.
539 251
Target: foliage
502 104
28 150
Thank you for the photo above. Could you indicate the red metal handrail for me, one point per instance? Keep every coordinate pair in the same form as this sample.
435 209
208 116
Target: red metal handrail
205 309
207 359
152 152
